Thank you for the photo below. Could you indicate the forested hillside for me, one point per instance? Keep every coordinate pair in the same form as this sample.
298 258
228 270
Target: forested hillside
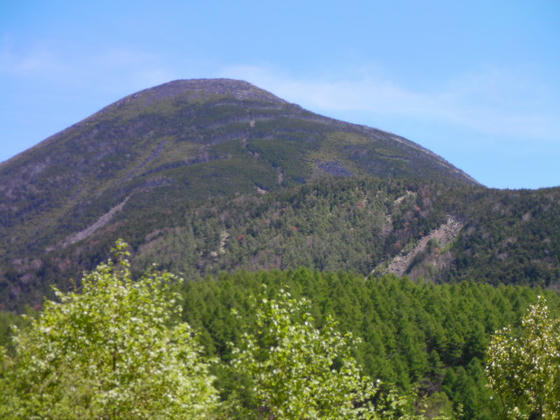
429 231
364 225
207 175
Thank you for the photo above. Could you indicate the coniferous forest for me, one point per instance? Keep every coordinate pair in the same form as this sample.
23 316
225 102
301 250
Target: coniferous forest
431 339
393 348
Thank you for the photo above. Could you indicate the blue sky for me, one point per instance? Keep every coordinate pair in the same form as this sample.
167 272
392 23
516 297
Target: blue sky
477 82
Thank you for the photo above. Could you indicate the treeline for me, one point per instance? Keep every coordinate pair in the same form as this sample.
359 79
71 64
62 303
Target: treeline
419 336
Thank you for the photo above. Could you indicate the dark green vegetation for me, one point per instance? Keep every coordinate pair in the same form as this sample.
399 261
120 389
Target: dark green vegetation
432 338
359 225
356 225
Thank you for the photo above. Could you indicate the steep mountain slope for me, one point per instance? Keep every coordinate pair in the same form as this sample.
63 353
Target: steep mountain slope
371 226
208 175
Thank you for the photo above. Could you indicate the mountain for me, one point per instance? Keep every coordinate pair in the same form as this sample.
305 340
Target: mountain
204 175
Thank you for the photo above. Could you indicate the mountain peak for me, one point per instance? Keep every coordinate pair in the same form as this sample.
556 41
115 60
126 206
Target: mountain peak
200 90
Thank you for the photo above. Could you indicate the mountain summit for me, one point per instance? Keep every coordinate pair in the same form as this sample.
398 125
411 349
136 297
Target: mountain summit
189 121
204 89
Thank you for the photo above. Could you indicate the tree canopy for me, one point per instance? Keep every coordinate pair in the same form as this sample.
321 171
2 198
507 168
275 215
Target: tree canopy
524 367
299 371
114 349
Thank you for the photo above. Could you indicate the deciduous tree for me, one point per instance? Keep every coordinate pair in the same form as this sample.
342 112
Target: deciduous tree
298 371
114 349
524 368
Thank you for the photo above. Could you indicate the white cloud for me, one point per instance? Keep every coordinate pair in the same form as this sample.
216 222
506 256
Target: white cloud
492 102
116 69
39 60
